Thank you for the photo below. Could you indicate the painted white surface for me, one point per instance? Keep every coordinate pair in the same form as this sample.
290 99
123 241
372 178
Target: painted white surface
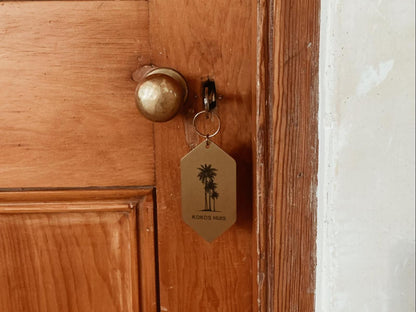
366 201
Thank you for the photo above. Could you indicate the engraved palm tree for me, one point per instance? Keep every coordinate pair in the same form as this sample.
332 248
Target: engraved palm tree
207 175
214 196
212 186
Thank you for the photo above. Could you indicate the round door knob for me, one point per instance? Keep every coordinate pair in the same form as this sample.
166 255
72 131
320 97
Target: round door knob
161 93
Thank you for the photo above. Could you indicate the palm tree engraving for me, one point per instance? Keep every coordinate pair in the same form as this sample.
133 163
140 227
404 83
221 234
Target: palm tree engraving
214 196
207 176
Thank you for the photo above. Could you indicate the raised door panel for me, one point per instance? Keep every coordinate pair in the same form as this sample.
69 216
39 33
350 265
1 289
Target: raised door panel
77 255
67 111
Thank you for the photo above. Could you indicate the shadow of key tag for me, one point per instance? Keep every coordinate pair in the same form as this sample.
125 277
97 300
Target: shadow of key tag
208 184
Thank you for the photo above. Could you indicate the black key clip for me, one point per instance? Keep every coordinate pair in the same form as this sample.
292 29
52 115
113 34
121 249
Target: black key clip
209 95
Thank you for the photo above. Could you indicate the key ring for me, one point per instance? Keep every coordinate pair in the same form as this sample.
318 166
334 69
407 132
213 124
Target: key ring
206 136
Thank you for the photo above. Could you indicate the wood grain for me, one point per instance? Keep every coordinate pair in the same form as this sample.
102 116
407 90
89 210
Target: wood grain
201 38
67 111
121 195
147 255
69 0
79 261
261 103
67 262
286 155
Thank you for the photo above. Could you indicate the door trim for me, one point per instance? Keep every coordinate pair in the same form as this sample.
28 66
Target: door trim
285 154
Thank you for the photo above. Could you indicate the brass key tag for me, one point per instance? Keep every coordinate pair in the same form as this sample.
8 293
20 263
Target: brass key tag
208 183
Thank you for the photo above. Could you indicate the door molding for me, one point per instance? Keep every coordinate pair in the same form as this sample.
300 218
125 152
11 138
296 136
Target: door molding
285 154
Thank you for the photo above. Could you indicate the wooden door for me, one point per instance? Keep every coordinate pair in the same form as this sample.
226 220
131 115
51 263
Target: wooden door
90 216
76 158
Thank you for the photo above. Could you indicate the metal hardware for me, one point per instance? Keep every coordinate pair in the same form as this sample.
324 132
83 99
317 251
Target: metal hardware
209 101
209 190
209 95
161 93
207 135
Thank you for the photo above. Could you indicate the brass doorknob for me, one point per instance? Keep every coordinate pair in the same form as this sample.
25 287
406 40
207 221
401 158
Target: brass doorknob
161 93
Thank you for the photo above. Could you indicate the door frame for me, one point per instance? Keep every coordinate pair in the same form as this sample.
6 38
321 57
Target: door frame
285 155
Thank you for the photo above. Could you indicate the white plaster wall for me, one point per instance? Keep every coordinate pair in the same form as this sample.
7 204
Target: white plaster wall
366 201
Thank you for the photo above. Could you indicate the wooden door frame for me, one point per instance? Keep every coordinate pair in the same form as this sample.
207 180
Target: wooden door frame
285 154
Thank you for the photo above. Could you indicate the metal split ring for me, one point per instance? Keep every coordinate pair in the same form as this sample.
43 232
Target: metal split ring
207 135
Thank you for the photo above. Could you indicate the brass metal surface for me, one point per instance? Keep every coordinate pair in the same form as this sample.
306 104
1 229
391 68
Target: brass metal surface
161 94
209 190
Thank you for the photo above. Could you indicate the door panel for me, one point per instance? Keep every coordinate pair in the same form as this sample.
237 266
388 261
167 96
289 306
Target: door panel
200 39
62 255
67 113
